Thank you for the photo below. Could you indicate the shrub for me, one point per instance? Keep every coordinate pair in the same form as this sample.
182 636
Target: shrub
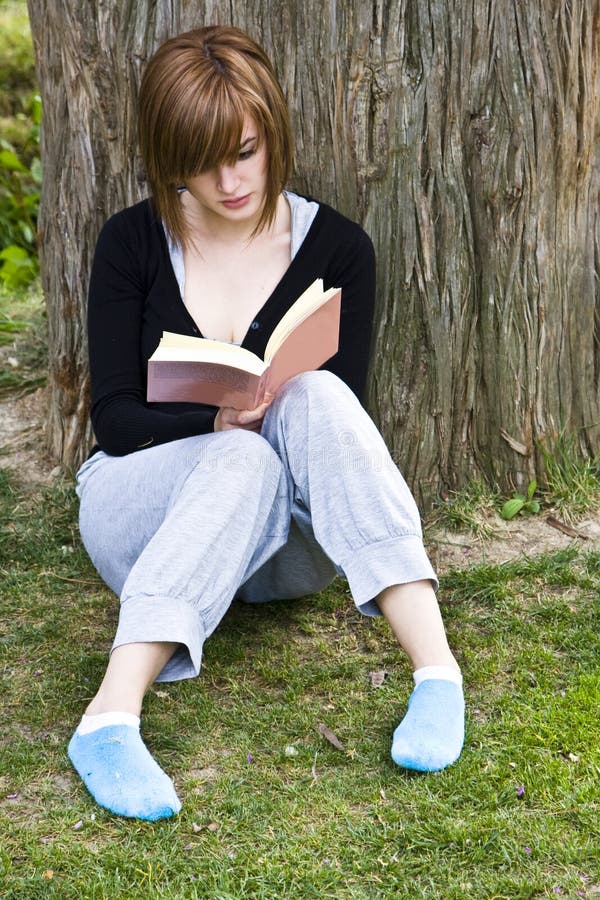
19 204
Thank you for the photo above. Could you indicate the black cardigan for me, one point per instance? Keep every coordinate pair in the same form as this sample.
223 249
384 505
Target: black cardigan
134 297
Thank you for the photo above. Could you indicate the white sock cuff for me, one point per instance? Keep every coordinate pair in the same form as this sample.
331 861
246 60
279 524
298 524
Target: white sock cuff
102 720
441 673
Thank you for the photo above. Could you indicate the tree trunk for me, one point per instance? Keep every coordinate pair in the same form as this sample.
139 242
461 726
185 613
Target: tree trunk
89 58
464 136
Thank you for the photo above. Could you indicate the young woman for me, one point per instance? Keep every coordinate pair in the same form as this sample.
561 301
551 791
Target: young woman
184 506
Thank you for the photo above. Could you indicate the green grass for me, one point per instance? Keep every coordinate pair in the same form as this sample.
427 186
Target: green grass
570 490
473 509
322 823
572 478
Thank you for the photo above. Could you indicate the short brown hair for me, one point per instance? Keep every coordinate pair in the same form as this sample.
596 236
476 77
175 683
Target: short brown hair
195 94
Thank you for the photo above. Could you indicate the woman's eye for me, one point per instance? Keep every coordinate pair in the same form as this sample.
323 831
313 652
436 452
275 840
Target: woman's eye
246 154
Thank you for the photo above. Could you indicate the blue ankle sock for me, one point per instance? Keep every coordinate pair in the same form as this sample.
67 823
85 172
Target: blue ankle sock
121 775
431 735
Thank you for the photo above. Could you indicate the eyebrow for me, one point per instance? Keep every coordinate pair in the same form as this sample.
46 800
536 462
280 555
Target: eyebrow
248 140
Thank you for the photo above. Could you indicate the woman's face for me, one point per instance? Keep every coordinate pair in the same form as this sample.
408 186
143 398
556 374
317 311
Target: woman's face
235 192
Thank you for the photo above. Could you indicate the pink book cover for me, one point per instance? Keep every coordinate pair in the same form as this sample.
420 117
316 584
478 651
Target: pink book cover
201 382
310 344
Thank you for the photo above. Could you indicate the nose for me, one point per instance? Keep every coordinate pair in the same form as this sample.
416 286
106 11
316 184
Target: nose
227 179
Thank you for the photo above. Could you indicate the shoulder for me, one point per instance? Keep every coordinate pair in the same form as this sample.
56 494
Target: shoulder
342 232
343 242
134 235
131 245
338 248
139 218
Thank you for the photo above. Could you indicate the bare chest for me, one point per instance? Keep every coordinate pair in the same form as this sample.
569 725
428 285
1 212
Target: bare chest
224 291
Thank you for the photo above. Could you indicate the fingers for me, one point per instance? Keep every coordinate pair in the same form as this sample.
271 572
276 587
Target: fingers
250 419
248 416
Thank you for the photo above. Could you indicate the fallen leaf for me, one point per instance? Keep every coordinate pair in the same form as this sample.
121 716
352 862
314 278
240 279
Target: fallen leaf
161 694
566 529
314 769
377 678
213 826
48 874
328 734
290 750
573 757
196 828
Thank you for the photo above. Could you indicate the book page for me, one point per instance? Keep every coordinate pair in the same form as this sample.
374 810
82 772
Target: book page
312 298
184 348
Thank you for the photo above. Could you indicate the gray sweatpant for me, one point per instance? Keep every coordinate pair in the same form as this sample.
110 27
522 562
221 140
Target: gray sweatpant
179 529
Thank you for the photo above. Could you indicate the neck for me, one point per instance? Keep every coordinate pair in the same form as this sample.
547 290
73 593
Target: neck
206 226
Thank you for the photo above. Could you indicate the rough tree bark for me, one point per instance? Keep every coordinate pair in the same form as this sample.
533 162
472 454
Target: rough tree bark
88 58
463 135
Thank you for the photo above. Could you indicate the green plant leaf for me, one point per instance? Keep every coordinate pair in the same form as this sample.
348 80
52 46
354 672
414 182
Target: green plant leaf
31 202
533 506
26 232
10 162
36 170
14 253
16 275
512 507
36 109
531 489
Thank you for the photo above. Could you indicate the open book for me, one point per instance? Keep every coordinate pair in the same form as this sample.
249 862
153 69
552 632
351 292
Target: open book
197 370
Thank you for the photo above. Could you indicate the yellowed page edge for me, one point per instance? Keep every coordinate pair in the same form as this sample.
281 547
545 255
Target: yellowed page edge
181 347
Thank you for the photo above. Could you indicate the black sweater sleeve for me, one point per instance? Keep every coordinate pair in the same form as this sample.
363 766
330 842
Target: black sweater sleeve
353 269
121 279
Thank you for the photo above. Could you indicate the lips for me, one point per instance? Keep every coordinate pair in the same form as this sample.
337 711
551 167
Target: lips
236 202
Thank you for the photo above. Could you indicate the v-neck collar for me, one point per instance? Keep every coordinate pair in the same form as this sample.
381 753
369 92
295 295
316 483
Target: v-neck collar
289 272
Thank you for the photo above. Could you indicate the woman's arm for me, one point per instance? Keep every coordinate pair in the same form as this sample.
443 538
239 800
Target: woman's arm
121 277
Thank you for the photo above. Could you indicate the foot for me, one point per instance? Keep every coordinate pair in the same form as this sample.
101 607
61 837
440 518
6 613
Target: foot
121 775
431 735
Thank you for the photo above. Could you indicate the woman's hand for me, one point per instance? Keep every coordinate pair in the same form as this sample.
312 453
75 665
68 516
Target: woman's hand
250 419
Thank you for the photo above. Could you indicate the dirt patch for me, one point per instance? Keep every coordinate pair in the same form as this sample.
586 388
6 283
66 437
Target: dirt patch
531 536
23 438
23 451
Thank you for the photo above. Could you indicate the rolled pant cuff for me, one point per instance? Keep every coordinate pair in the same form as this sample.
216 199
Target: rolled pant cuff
377 566
164 619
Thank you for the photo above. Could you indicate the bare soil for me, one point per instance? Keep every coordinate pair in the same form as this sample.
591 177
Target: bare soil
23 451
23 439
526 536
